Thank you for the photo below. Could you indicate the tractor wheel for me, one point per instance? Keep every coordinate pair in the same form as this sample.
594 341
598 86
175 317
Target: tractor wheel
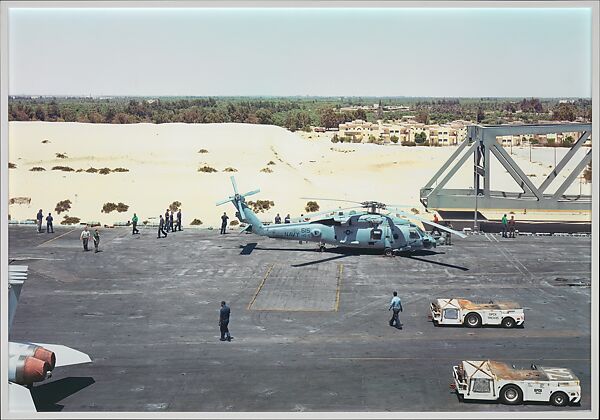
511 395
559 399
508 322
473 320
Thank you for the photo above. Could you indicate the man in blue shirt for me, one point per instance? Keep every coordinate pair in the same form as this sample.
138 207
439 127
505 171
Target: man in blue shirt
396 306
224 321
49 227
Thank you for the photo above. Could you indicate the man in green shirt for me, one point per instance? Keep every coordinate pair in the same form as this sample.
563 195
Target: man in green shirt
96 237
504 226
134 221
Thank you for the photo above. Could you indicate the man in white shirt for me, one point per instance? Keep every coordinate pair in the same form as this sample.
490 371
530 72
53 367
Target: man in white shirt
396 306
85 237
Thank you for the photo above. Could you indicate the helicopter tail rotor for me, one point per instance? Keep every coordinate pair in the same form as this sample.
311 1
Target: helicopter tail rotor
238 199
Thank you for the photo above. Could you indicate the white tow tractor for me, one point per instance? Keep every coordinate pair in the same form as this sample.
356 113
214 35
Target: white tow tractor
473 315
490 380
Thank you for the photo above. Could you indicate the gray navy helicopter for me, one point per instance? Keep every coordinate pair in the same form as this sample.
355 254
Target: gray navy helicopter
366 229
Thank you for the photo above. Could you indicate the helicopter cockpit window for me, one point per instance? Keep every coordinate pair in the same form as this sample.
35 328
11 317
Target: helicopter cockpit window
376 234
414 234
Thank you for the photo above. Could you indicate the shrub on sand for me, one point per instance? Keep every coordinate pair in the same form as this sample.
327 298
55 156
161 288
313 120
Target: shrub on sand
20 200
69 220
62 206
63 168
260 206
311 207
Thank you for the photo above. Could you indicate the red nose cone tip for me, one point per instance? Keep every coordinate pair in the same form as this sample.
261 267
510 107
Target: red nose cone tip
35 370
46 356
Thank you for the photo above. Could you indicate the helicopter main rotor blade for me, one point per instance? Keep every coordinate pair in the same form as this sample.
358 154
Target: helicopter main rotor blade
311 215
398 206
330 199
441 227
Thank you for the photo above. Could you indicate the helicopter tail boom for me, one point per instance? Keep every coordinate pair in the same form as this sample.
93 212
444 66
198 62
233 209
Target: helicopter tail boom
243 212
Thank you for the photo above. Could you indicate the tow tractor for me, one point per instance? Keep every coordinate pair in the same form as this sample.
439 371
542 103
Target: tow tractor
473 315
490 380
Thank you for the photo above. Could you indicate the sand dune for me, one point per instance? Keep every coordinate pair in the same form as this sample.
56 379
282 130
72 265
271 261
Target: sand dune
163 161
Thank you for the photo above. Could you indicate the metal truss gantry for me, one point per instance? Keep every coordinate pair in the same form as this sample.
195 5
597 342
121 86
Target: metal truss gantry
481 142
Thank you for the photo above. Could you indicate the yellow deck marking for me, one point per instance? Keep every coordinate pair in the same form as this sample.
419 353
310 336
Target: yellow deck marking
262 283
54 239
339 284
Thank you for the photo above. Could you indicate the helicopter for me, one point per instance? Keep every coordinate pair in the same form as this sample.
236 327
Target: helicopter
366 229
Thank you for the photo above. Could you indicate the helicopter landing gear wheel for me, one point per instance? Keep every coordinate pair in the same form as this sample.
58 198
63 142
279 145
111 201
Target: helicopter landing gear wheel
321 247
388 252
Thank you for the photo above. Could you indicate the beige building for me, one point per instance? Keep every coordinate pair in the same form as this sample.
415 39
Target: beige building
405 130
359 130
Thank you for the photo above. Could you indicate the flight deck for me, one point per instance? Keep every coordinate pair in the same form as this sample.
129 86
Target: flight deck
310 328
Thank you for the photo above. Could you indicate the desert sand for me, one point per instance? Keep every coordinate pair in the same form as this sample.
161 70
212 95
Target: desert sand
163 162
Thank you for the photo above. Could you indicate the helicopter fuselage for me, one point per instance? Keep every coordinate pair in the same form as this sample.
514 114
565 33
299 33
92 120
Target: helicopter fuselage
367 231
364 230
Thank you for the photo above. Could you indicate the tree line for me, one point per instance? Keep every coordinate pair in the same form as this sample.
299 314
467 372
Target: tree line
291 113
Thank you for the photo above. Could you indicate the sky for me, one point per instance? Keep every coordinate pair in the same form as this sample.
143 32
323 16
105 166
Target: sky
444 52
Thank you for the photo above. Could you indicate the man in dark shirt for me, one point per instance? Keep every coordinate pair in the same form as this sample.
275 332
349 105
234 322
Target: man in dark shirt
167 220
161 224
179 220
171 222
287 219
49 219
277 219
224 219
511 227
224 321
40 217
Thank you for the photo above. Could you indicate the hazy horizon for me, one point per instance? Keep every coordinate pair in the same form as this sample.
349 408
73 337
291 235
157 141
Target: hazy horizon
337 97
291 52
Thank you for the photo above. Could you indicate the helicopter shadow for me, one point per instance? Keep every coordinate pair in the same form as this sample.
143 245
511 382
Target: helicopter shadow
47 396
346 252
250 247
415 256
337 257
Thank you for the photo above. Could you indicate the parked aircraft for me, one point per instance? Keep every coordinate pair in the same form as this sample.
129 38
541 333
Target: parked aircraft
370 229
31 362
